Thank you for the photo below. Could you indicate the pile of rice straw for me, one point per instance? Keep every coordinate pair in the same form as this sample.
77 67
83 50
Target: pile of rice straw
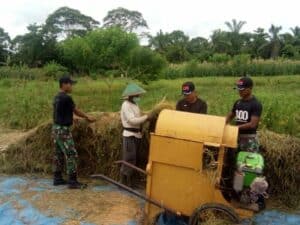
98 145
282 165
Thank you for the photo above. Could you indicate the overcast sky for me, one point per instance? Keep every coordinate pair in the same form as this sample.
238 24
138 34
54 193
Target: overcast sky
194 17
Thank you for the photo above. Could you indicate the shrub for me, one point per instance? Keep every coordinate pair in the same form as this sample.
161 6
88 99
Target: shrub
239 64
191 69
145 64
171 72
54 70
219 58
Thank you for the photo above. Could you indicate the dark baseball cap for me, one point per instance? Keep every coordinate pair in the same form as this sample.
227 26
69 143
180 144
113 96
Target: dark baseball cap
188 88
243 83
66 80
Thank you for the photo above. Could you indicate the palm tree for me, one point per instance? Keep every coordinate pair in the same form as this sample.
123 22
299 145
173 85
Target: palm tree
235 26
274 31
159 42
236 39
296 36
274 40
296 40
221 42
259 43
296 31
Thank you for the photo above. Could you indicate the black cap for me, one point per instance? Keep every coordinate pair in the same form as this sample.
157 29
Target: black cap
66 80
188 88
243 83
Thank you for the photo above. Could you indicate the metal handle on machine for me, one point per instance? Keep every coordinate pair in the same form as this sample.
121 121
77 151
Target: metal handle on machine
131 166
136 193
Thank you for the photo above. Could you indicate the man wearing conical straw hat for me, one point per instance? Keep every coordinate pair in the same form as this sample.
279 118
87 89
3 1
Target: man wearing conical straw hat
132 120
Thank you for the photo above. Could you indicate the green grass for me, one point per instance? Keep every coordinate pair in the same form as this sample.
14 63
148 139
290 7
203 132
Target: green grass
25 104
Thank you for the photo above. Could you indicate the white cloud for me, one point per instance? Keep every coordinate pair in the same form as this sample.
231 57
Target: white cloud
195 17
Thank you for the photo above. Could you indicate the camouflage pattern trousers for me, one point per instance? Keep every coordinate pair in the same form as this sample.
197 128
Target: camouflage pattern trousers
64 151
248 143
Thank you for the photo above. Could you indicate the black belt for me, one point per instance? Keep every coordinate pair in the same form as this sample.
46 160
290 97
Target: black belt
135 130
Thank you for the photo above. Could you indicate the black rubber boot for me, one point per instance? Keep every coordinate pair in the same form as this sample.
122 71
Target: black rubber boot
74 184
58 179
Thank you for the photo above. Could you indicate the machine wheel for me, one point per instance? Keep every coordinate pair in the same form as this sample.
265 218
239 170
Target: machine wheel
218 211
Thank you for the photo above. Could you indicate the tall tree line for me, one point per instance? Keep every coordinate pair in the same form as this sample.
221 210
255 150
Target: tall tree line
49 41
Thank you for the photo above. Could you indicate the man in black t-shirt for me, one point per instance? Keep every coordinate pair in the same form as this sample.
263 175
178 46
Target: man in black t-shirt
247 112
63 110
191 102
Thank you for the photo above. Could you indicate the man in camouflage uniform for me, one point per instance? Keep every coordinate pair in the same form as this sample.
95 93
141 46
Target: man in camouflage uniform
65 151
246 111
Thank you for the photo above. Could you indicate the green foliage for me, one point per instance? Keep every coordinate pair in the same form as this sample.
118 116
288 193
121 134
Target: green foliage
221 42
86 50
199 48
173 45
238 66
235 26
172 71
54 70
111 47
34 48
274 41
4 46
66 22
258 46
26 104
20 72
77 55
145 65
191 69
106 49
50 70
126 19
176 54
240 63
219 58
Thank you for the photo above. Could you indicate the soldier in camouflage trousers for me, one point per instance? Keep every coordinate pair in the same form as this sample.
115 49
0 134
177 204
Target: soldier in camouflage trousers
64 148
63 110
248 143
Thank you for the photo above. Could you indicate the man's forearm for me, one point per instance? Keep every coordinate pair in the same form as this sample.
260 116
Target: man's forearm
229 117
79 113
250 125
246 126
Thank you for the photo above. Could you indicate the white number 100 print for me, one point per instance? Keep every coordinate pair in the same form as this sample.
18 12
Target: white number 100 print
241 115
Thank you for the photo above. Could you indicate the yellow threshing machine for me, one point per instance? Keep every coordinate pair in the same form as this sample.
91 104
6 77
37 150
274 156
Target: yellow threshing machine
182 176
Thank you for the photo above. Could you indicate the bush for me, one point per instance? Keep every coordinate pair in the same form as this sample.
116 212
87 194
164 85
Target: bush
219 58
145 64
171 72
239 63
191 69
54 70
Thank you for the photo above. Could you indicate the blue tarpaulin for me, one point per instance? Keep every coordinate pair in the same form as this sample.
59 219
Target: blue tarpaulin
16 211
